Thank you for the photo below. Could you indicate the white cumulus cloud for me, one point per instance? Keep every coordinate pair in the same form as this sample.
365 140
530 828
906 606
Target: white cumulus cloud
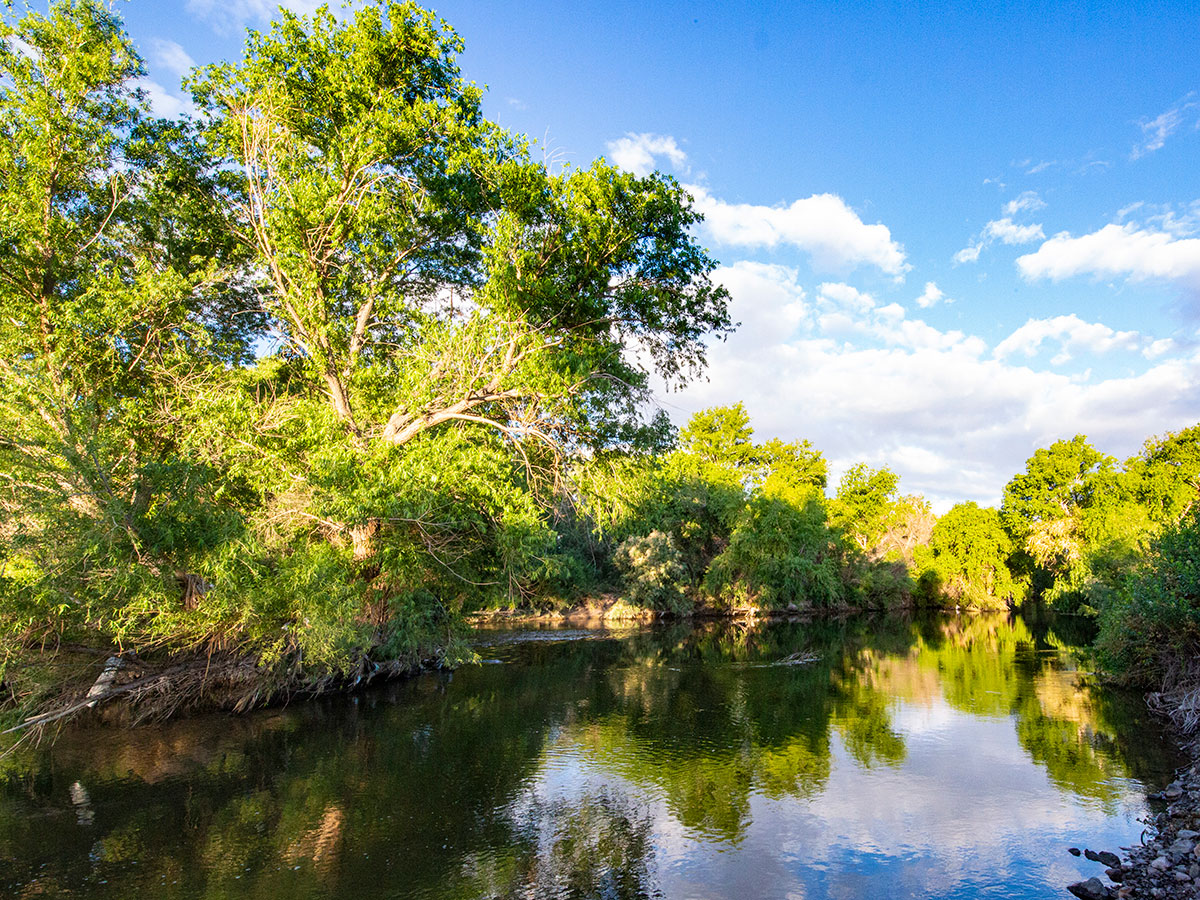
1028 201
1008 232
1005 230
162 101
968 254
637 153
1071 333
1117 251
172 57
932 295
822 225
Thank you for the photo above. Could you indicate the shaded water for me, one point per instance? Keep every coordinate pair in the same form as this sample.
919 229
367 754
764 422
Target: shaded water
949 757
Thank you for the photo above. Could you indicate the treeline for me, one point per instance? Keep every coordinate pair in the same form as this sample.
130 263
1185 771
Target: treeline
293 384
723 522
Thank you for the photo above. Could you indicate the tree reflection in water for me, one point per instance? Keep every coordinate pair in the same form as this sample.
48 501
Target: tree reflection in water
569 771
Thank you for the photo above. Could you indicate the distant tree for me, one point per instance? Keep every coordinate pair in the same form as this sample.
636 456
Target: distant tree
864 503
1057 483
1076 522
907 528
721 436
1167 474
792 470
780 553
969 550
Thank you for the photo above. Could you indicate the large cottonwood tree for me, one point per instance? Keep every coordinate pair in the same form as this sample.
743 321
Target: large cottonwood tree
421 264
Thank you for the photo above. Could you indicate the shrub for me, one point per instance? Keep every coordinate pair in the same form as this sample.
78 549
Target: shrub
1151 630
654 572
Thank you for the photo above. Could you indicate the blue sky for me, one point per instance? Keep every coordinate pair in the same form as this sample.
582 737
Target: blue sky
954 233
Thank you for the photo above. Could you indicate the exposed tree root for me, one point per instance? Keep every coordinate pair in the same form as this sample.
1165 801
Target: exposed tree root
1179 699
151 691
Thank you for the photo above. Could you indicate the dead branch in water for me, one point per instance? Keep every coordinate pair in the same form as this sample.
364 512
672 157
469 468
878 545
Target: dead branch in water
1179 700
178 685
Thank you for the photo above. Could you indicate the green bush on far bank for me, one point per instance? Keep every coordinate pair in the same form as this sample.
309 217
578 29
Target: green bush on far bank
1150 631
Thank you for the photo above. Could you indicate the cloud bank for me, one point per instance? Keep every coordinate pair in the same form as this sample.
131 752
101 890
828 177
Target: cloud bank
954 416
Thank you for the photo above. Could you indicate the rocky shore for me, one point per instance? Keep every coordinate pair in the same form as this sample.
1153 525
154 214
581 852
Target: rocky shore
1167 863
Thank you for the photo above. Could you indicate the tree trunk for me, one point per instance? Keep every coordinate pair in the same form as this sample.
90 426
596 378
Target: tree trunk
364 539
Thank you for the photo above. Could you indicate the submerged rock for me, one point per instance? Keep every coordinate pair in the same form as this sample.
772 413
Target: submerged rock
1092 889
1109 859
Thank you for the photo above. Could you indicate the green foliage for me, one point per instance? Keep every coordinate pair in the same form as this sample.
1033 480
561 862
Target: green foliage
1150 632
721 437
654 572
780 554
1065 492
1057 482
967 557
792 471
1167 474
422 266
116 306
1080 525
865 502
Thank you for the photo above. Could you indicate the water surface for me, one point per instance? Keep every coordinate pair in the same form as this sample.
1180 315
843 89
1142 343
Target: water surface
862 758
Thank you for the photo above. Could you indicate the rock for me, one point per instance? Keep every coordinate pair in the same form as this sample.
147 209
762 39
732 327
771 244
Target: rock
1074 851
1181 847
1182 877
1161 863
1109 859
1092 889
1187 833
1172 792
1117 875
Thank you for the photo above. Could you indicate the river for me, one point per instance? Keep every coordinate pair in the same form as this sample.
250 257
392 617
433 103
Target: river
866 757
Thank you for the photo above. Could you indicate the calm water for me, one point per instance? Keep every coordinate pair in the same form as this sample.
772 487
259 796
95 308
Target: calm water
954 757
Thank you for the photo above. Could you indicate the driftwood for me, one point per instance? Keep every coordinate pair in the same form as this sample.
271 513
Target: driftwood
228 682
178 684
799 658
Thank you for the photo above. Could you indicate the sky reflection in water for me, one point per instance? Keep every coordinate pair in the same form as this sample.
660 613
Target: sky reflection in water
913 758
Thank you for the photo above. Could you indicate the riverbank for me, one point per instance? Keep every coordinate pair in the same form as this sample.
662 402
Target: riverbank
1167 863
